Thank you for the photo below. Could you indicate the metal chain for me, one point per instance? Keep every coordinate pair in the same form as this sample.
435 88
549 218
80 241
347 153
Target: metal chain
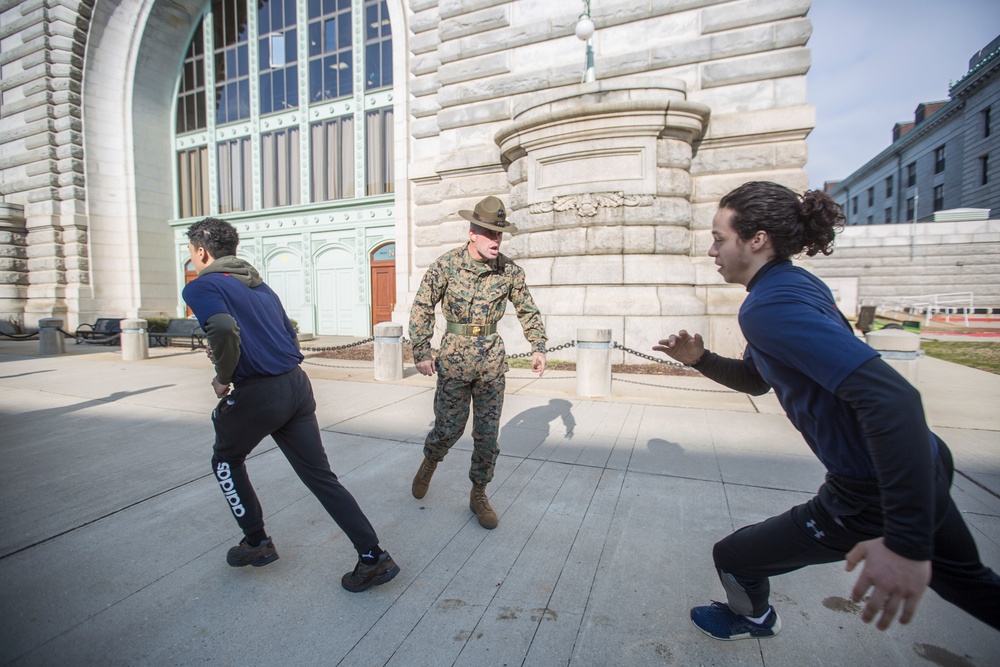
523 355
19 336
97 341
338 347
649 357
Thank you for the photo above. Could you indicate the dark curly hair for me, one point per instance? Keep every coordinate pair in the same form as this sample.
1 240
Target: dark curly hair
794 224
216 236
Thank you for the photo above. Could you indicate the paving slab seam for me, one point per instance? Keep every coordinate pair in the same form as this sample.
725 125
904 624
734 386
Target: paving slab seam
114 604
980 485
604 547
513 564
108 515
457 571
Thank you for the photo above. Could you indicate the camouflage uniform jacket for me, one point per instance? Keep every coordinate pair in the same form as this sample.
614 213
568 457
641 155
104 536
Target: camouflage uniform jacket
472 292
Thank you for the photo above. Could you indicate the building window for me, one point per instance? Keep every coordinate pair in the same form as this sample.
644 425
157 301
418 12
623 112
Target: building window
348 151
984 169
332 159
986 122
235 175
938 197
191 95
192 182
379 151
276 56
910 208
871 196
279 162
854 205
232 61
888 215
888 186
378 45
870 221
911 174
939 159
331 59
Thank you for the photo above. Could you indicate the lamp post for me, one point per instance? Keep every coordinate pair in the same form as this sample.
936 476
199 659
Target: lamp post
585 32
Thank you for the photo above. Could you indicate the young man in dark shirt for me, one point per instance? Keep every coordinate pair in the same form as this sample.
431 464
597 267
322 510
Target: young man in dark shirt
263 391
886 501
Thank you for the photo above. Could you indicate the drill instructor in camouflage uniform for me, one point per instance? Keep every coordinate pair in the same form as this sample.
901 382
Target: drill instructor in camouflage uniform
473 283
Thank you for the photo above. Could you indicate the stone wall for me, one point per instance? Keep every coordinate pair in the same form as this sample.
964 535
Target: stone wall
13 263
606 247
891 261
96 206
41 146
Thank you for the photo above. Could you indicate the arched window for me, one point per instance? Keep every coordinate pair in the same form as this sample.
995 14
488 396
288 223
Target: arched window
322 93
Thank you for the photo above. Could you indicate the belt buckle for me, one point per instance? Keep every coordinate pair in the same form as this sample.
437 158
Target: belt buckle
476 330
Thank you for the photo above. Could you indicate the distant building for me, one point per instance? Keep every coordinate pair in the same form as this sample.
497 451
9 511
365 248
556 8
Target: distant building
947 157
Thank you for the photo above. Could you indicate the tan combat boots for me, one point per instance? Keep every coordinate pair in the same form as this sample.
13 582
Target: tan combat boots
480 506
423 477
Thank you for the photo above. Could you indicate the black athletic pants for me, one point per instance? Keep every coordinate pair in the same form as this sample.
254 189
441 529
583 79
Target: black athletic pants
811 533
283 407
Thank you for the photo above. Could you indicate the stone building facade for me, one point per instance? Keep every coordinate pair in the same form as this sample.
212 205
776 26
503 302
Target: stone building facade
612 182
947 158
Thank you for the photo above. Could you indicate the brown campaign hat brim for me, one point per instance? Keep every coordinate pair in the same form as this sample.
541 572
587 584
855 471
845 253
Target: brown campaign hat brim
496 226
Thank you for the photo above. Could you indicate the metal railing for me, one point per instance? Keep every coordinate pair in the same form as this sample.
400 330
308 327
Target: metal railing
928 305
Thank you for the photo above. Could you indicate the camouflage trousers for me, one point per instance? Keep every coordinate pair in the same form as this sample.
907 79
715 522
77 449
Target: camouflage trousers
451 413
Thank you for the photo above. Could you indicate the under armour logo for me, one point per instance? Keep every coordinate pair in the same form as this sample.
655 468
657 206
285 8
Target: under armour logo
812 524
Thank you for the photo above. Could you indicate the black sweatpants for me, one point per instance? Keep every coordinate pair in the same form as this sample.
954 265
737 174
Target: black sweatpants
283 407
824 529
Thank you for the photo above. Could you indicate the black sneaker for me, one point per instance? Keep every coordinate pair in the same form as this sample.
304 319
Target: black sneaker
365 576
243 554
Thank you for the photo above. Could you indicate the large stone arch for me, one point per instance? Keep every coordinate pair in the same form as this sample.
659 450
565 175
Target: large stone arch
134 54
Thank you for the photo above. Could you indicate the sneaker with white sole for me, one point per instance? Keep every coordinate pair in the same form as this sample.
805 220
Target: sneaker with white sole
721 622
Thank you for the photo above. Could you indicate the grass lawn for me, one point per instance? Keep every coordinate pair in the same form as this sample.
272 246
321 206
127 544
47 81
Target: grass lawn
984 355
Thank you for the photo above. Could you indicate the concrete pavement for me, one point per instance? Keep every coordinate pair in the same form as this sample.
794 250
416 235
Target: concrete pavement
114 533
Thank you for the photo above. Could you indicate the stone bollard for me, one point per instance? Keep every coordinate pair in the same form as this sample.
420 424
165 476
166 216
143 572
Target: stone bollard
135 340
50 339
593 362
900 349
388 351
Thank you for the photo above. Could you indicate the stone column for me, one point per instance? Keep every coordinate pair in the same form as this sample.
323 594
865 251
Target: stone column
900 349
601 194
388 351
13 262
50 339
135 340
593 362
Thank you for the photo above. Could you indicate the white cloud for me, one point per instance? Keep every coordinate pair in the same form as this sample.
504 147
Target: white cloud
874 61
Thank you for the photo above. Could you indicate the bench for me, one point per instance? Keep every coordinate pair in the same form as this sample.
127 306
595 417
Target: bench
101 332
187 330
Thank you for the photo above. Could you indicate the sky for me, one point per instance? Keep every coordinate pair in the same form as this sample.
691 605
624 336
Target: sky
874 61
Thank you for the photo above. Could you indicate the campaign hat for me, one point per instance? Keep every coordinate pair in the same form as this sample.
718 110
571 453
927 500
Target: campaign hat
490 213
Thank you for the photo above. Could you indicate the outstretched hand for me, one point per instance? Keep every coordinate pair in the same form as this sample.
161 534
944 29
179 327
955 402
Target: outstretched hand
682 347
426 367
897 583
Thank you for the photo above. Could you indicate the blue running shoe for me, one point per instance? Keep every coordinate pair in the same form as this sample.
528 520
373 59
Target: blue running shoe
721 622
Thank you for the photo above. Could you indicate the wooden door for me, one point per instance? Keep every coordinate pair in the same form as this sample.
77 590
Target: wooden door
189 275
383 262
